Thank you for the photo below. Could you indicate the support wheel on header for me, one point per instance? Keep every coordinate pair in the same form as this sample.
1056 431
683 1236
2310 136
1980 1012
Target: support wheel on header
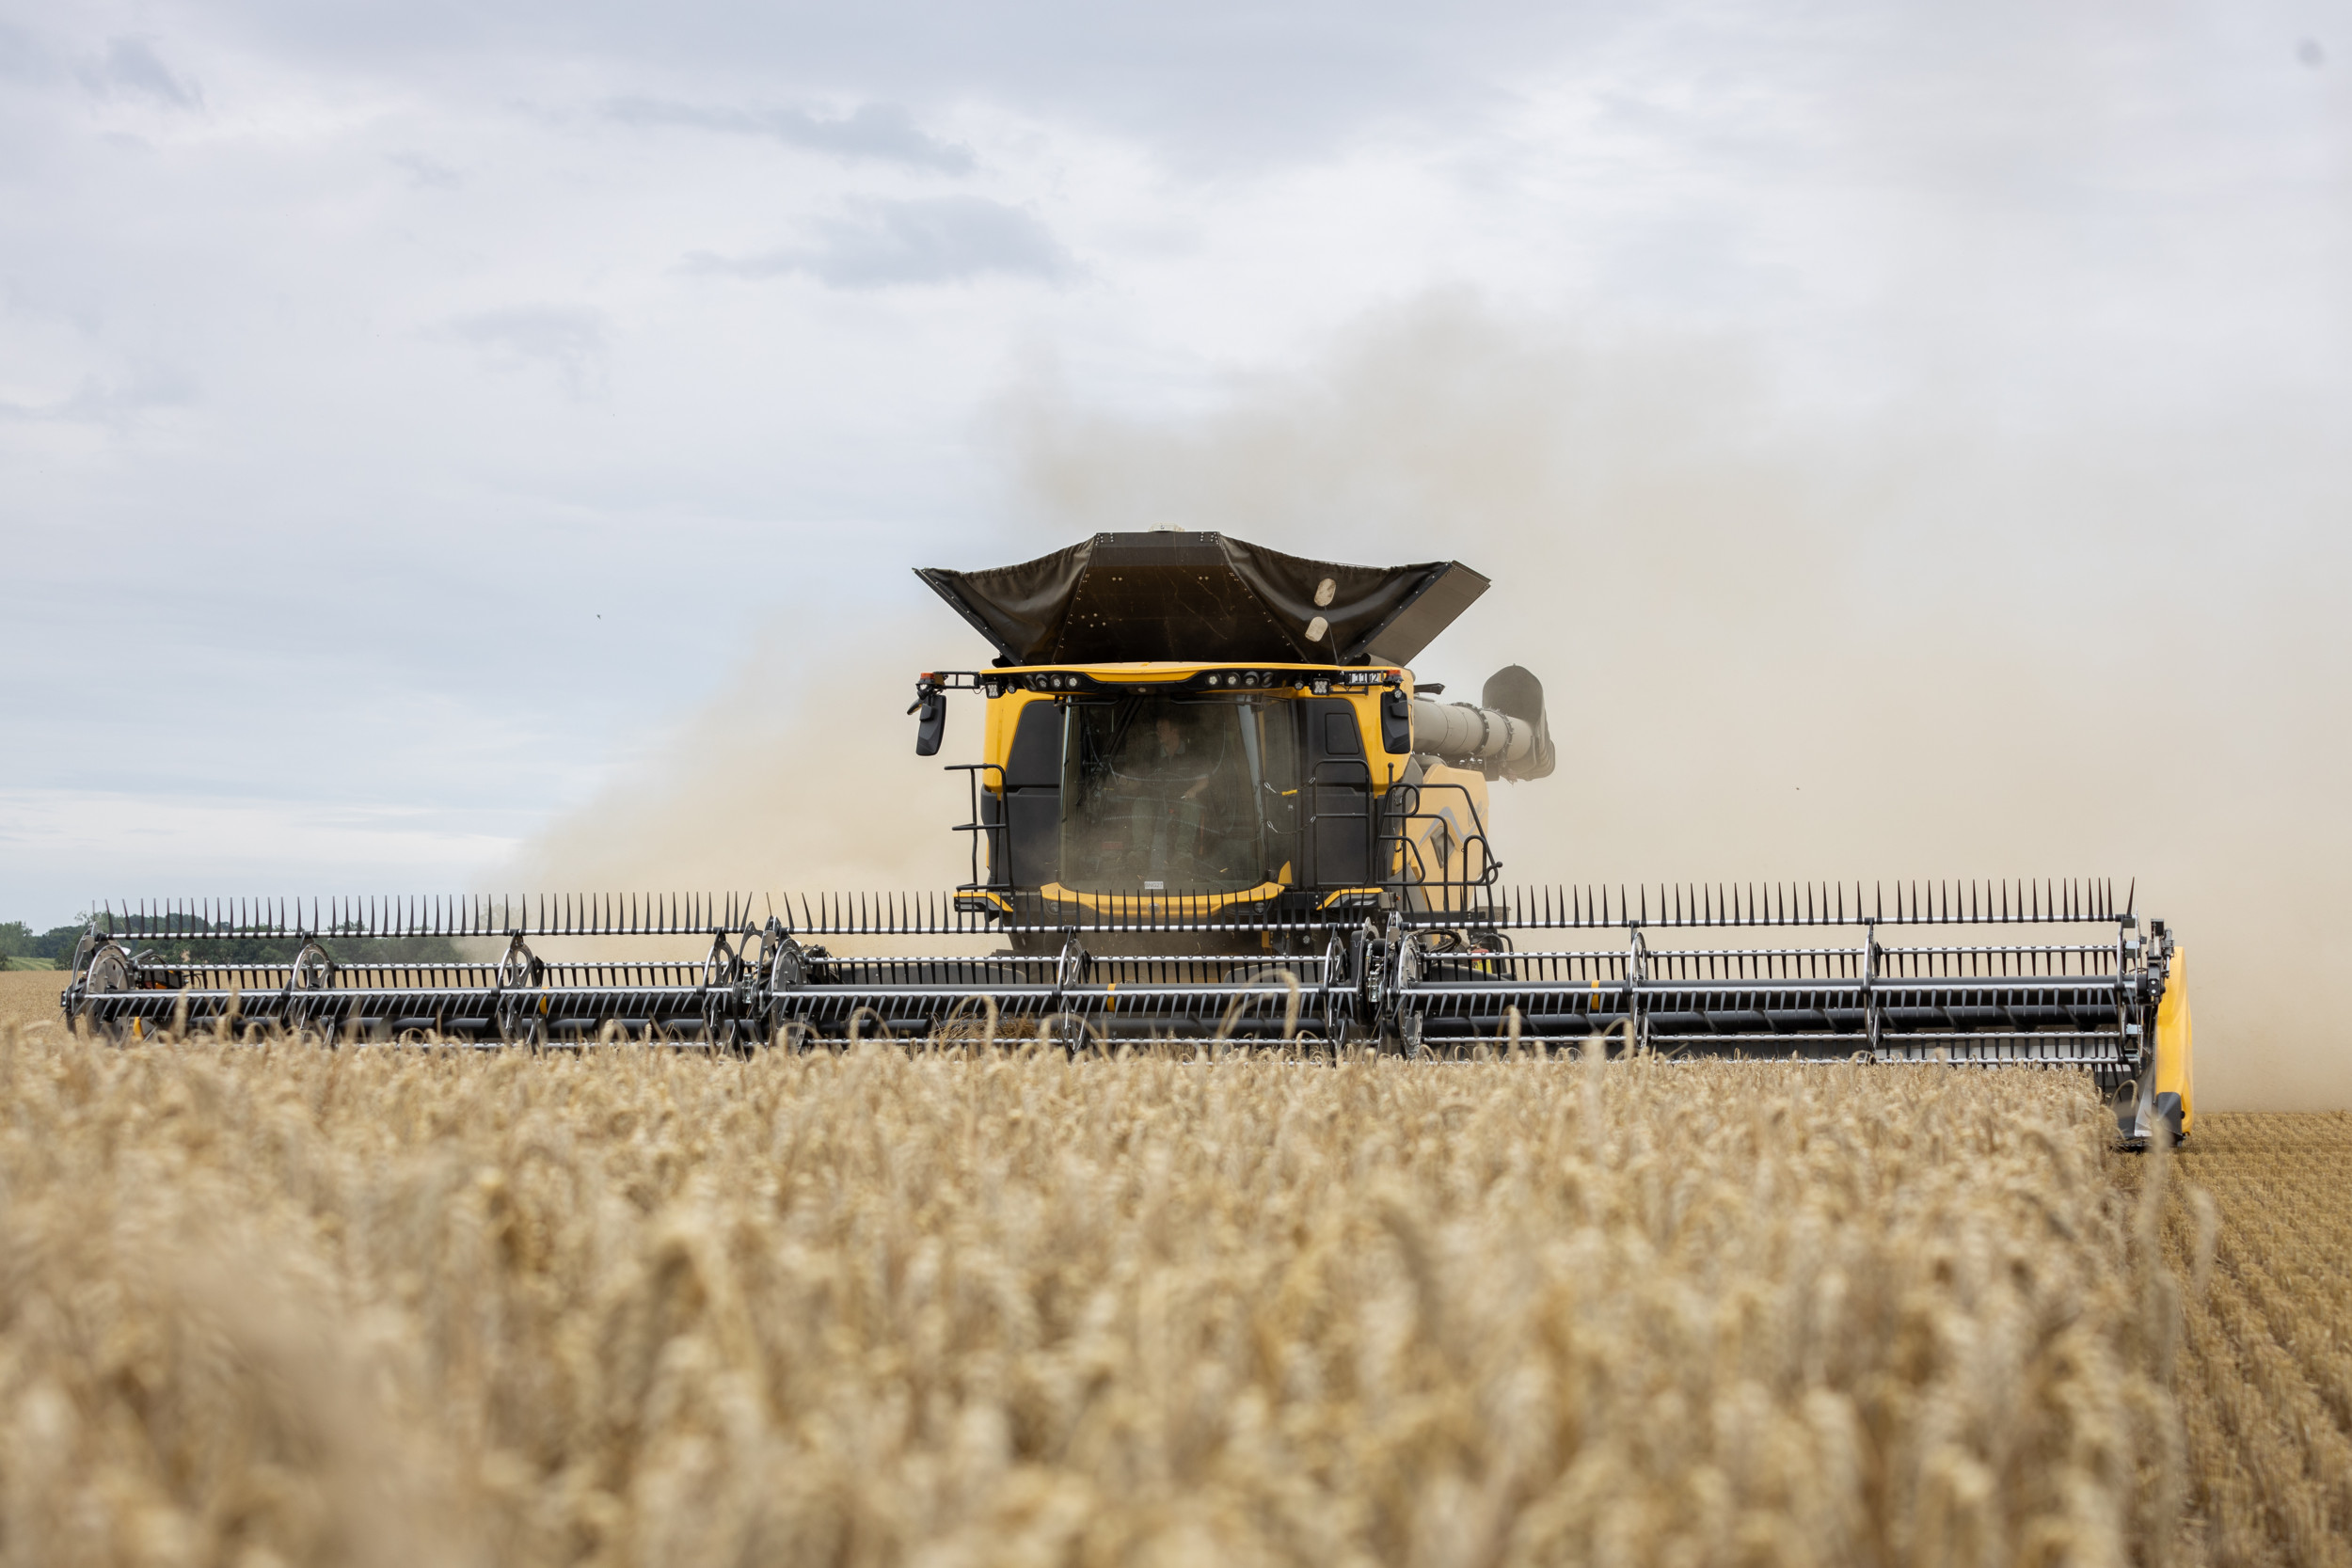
522 1021
107 970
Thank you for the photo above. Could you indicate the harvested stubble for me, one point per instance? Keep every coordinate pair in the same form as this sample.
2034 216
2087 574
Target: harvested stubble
2265 1382
30 995
890 1306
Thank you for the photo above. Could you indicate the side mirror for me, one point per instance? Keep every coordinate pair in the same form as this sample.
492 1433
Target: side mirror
1396 721
930 726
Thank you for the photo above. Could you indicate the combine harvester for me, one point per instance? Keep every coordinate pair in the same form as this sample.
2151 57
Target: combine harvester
1213 803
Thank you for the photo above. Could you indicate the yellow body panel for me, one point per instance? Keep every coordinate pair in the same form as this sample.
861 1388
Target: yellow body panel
1180 906
2173 1039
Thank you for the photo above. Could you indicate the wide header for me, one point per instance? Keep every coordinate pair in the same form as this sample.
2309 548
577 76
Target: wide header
1206 597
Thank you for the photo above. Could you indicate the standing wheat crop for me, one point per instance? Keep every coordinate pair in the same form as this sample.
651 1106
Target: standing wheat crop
623 1306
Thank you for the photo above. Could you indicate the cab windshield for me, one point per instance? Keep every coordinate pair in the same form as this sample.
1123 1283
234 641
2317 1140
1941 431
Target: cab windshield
1173 794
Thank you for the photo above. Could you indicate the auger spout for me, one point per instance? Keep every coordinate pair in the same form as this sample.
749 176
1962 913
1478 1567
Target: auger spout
1505 734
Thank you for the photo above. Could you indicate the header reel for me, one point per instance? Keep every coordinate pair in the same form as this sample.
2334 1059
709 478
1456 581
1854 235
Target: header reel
1696 970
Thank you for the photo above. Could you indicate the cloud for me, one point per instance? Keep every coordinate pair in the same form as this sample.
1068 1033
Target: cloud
21 58
111 403
151 842
885 133
1228 82
568 339
878 245
427 173
130 66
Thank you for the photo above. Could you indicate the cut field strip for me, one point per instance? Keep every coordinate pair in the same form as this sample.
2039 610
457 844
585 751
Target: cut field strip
2265 1380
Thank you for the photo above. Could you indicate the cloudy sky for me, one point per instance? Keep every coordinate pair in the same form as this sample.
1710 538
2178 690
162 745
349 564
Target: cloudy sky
417 420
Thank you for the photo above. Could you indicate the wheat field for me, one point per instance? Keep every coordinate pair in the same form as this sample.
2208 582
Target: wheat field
273 1304
30 996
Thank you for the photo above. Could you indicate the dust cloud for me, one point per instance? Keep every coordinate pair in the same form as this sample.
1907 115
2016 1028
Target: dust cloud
795 777
1782 645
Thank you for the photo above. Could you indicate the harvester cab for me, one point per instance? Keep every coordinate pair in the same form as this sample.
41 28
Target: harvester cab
1186 729
1211 802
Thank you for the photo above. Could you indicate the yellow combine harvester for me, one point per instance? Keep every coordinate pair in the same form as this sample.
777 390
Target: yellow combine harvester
1188 725
1212 801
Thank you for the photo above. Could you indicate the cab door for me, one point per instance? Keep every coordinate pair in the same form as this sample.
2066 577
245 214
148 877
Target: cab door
1336 792
1032 799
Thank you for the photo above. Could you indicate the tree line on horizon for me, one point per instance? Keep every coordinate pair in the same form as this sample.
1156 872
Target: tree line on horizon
21 948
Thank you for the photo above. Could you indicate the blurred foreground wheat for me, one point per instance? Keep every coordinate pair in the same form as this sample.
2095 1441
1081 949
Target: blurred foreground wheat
281 1304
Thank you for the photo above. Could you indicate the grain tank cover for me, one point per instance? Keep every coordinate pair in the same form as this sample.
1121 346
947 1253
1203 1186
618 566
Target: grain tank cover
1208 598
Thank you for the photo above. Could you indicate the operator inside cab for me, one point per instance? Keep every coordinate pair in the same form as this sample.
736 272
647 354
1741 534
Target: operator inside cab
1157 796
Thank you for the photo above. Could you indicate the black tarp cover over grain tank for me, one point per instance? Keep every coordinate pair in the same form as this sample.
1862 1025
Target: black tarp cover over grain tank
1204 597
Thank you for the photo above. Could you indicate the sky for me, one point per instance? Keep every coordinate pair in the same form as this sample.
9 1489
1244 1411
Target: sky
436 440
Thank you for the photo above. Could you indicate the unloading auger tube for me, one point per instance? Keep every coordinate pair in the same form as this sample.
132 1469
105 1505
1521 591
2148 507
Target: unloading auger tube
2050 974
1504 734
